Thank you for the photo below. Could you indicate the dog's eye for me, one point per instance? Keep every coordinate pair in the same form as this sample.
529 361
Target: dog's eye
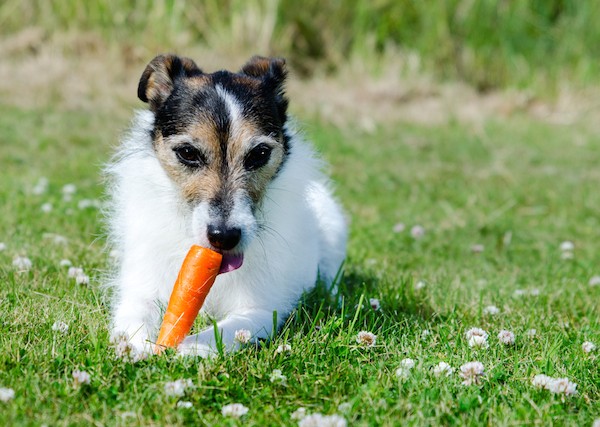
257 157
189 156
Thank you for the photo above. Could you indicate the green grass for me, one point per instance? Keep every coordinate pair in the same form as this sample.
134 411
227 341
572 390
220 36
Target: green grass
516 186
489 44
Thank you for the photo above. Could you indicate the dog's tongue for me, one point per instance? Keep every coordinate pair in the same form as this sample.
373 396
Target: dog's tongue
231 262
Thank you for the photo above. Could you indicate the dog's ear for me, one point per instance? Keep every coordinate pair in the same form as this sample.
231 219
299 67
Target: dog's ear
159 77
266 68
272 72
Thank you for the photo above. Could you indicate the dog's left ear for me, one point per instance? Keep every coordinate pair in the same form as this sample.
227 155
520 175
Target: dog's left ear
266 68
272 72
159 78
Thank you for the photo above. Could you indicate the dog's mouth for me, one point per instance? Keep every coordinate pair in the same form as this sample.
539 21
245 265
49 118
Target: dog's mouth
231 262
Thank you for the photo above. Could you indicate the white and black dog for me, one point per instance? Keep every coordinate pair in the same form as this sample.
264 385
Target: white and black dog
214 162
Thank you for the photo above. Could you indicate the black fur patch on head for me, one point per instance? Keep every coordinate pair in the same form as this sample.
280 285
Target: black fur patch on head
180 94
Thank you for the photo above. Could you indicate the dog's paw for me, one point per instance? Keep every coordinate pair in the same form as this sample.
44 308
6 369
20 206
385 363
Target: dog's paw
131 349
193 346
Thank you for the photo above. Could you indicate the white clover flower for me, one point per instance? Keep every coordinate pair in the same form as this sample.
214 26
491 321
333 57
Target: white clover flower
46 207
82 279
80 378
420 285
478 342
178 387
69 189
2 246
60 326
74 272
366 339
443 369
555 385
402 373
124 349
588 346
278 377
594 281
567 246
596 423
562 386
399 227
6 394
407 363
320 420
506 337
564 324
534 292
234 410
41 186
283 348
87 203
56 238
472 372
531 333
345 407
417 232
477 249
299 414
476 332
184 404
242 336
65 263
375 305
491 310
541 381
22 264
477 338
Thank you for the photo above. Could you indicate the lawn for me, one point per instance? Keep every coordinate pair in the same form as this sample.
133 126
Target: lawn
453 226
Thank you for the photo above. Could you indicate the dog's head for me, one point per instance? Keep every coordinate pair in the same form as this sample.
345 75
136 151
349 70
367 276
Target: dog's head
220 137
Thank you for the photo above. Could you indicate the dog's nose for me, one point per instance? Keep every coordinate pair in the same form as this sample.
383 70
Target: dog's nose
222 237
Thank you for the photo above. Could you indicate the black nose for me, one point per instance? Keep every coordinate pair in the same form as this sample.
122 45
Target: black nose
222 237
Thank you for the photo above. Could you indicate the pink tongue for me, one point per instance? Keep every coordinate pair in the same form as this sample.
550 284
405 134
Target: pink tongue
231 262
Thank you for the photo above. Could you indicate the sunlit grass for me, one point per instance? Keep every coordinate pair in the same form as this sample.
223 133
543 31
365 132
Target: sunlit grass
489 44
515 187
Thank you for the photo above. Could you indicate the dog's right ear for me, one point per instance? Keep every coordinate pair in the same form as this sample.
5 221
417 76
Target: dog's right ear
159 77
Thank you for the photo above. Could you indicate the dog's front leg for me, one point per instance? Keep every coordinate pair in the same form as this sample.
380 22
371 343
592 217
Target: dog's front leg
257 321
135 320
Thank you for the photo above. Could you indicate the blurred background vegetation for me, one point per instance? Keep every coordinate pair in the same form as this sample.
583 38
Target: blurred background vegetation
490 44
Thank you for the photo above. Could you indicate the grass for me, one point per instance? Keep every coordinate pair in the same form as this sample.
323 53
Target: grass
516 186
489 44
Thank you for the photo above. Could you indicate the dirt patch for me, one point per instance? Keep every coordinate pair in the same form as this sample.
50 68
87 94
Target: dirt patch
82 71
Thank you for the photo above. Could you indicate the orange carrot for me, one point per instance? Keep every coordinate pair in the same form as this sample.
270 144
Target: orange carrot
197 275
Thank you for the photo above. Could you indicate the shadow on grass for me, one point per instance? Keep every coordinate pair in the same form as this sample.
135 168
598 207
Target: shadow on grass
351 306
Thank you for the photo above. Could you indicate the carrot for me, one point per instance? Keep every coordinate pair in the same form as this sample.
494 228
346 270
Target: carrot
196 276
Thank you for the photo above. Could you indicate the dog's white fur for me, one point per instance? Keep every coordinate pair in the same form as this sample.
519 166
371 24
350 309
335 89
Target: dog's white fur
303 236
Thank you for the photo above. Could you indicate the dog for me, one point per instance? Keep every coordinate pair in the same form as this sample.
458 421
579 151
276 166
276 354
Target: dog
214 161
